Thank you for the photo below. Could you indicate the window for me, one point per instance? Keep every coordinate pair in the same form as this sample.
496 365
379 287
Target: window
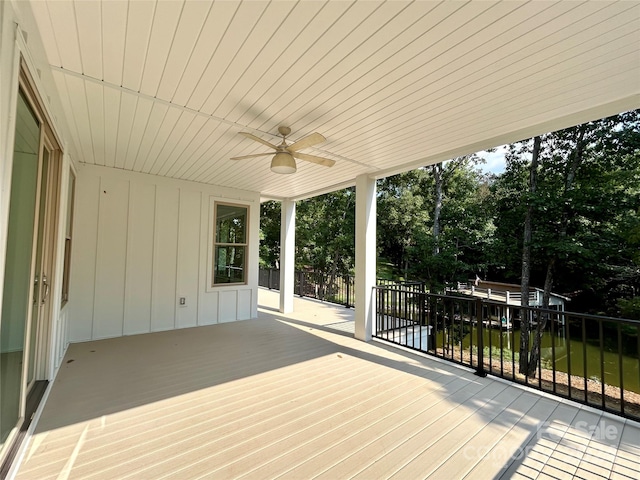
230 244
67 238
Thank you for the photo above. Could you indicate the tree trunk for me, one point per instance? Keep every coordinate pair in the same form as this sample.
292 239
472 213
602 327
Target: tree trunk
525 320
534 359
437 175
576 159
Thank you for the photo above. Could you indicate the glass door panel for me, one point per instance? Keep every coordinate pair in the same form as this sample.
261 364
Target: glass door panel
17 285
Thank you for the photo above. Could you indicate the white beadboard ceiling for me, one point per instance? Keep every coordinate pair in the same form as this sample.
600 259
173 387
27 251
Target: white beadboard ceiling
164 87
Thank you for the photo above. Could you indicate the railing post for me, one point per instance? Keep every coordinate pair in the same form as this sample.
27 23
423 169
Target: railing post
480 368
348 282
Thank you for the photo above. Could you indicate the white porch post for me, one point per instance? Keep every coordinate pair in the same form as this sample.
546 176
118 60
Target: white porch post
287 254
365 256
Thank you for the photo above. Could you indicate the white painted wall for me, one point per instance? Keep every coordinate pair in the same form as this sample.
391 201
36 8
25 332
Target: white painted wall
143 241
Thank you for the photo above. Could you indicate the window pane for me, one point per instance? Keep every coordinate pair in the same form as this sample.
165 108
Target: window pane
229 264
231 224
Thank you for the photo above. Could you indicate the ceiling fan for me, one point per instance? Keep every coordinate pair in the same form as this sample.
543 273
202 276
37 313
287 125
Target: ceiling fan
283 160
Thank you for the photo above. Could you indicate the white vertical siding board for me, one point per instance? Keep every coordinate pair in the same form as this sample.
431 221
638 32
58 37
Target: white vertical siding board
167 16
111 255
165 250
90 37
188 267
114 32
227 306
208 308
244 305
139 21
95 105
83 260
66 37
194 16
138 129
201 55
112 99
207 300
137 310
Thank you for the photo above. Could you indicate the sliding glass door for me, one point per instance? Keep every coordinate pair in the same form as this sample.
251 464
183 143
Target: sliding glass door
24 323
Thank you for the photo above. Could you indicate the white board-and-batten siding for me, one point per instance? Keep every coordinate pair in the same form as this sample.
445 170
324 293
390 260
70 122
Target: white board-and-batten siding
141 242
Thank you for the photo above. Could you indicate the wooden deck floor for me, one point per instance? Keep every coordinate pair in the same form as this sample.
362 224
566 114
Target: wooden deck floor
295 397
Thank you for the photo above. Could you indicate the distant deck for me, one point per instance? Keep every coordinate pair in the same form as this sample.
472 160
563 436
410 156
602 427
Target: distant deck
296 396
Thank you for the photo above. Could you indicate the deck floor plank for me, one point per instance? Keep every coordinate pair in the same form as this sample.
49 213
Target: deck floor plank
291 396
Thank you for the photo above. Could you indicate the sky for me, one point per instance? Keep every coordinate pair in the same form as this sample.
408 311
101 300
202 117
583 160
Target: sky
494 160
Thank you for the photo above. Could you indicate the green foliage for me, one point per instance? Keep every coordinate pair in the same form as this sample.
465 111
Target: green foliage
630 308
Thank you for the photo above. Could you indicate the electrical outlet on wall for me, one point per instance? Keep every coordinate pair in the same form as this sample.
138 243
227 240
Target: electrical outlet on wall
182 301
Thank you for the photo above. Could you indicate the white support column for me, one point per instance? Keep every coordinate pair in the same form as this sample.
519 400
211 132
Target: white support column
365 256
287 254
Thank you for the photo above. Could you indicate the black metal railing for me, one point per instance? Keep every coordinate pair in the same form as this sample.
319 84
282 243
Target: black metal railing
590 359
327 287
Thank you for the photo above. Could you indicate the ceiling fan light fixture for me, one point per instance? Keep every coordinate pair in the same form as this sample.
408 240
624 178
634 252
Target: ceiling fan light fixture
283 162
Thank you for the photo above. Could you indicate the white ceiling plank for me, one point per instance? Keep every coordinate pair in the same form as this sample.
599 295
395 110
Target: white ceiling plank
255 52
492 78
166 127
75 90
140 19
302 73
194 15
240 27
138 130
63 22
47 33
111 118
61 85
527 79
165 22
200 57
170 142
114 32
128 105
95 108
185 142
392 85
89 22
194 150
156 117
275 54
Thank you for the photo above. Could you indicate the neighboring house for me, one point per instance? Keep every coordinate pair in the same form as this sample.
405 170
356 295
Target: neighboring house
121 212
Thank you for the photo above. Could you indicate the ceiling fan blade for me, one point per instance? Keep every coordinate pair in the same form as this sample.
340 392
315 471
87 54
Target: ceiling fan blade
313 159
305 142
252 156
258 139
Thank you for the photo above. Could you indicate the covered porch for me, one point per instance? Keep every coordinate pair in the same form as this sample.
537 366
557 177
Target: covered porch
295 395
